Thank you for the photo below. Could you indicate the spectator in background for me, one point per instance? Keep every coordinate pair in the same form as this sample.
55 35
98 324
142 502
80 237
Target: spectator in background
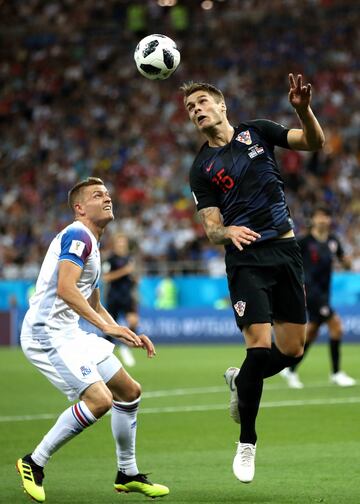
70 98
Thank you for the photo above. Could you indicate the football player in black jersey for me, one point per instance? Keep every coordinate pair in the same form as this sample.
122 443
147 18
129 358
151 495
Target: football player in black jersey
319 248
240 198
121 294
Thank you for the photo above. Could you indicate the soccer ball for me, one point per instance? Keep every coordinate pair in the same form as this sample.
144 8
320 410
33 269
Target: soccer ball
156 57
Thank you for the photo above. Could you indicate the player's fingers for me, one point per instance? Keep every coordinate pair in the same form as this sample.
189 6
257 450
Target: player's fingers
251 233
247 239
131 341
148 345
237 243
292 80
299 82
131 336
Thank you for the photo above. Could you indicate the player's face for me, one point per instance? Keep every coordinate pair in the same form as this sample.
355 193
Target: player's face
121 245
96 205
321 221
205 111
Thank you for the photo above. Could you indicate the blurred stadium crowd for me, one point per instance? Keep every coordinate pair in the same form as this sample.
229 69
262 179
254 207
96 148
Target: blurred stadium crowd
73 105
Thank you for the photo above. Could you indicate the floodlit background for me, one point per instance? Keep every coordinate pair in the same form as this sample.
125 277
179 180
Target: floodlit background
73 105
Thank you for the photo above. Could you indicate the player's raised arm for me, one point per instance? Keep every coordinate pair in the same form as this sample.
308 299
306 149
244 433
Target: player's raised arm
311 137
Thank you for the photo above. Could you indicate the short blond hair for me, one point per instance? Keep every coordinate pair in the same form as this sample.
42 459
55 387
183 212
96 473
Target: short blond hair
188 88
75 191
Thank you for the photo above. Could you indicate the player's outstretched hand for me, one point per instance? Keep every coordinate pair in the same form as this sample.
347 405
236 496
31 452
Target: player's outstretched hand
124 334
241 235
299 94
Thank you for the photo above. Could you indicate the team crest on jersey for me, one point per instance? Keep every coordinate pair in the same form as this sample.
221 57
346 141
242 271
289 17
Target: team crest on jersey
324 311
240 308
333 246
244 137
77 247
85 370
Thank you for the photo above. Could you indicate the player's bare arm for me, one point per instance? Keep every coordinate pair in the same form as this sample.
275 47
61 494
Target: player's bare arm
67 289
311 137
96 304
111 276
346 262
222 235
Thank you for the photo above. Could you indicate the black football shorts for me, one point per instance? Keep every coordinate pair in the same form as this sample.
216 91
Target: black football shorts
266 282
318 307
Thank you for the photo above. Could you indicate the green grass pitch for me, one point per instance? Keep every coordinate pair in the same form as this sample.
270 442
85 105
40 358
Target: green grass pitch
308 447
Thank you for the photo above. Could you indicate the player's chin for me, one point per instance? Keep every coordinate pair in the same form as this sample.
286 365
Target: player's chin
105 220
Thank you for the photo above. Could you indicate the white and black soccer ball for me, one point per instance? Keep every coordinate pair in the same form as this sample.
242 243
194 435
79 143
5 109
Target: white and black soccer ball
156 57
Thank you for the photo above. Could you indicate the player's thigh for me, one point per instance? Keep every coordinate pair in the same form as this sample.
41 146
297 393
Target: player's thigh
312 330
123 387
289 302
335 326
72 372
290 337
250 293
257 335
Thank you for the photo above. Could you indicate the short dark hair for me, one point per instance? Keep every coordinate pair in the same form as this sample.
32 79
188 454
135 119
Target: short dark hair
188 88
76 189
323 208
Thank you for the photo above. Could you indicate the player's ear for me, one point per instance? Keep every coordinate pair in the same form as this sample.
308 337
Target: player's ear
78 209
223 106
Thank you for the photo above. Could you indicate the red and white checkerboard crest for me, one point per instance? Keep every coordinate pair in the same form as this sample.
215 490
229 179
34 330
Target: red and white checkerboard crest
244 137
240 308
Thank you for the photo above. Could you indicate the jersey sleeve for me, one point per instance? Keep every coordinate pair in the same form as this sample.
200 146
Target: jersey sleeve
75 246
274 133
204 194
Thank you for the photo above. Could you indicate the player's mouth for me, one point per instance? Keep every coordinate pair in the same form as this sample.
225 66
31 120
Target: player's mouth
108 207
201 118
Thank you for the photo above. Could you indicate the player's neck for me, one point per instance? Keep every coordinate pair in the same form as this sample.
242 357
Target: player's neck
96 230
320 235
220 135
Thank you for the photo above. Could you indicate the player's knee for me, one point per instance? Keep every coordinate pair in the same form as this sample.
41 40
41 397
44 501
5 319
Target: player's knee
296 352
134 392
101 405
293 347
131 393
